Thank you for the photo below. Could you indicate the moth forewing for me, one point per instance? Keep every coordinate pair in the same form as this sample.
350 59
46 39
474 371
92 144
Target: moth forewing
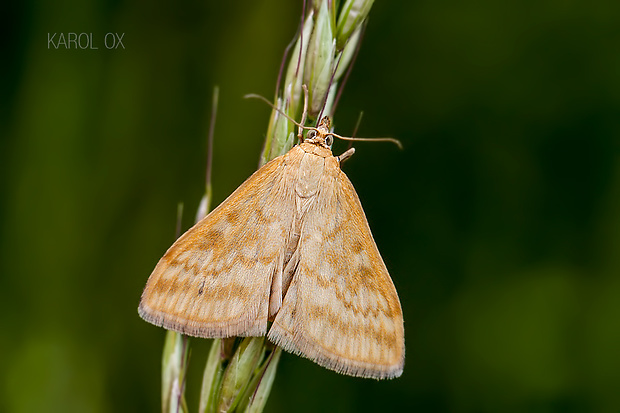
215 279
342 310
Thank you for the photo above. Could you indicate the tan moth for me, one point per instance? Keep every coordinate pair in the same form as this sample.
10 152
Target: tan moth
289 255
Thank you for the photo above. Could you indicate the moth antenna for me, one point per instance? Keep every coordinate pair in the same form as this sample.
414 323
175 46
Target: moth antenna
394 141
274 107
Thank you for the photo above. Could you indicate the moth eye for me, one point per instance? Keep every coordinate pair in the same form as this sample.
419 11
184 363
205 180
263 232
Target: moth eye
312 134
329 140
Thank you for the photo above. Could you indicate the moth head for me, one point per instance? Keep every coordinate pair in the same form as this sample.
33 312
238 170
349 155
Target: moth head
321 135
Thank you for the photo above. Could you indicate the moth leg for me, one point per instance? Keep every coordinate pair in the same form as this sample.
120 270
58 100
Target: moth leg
346 155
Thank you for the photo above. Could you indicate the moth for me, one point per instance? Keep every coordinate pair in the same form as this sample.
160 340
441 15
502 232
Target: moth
289 255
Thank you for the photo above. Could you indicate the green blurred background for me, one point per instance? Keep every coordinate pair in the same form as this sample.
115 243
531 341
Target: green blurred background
499 221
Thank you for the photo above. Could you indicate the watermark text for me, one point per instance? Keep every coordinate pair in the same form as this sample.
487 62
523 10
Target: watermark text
83 41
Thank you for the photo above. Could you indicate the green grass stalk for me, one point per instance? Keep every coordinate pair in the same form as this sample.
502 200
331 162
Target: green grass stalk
239 372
